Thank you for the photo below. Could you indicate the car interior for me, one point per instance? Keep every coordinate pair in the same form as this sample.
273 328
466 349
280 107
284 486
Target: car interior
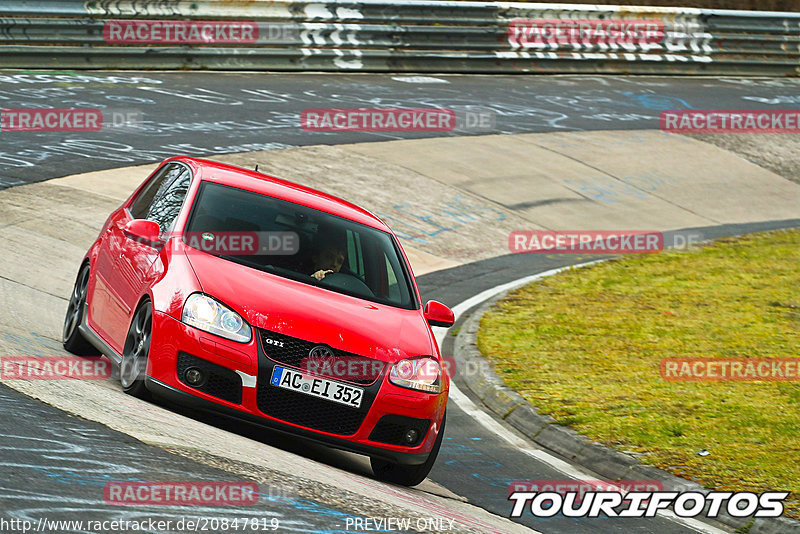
371 269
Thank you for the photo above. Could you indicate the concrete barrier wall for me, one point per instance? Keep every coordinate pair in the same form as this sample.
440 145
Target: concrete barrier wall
395 36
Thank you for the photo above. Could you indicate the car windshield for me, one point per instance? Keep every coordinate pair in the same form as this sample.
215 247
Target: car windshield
300 243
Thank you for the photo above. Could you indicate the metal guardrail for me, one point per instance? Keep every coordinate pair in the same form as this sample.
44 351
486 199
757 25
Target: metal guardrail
414 36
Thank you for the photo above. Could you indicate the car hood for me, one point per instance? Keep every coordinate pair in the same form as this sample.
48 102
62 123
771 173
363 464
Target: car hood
314 314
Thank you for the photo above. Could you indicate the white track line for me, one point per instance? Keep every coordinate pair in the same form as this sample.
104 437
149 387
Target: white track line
492 425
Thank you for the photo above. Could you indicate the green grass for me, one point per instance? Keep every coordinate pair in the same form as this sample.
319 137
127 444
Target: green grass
584 346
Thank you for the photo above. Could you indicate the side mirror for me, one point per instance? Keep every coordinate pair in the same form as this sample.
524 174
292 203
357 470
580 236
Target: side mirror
438 314
144 231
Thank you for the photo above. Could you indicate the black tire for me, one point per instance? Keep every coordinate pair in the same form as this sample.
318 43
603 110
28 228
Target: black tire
71 337
135 352
407 475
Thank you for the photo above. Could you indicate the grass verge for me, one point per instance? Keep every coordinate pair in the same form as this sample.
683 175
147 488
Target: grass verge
585 346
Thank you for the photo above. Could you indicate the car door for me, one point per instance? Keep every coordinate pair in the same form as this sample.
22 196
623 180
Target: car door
123 262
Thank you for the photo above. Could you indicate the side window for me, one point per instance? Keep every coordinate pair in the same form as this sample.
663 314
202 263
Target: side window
392 273
161 199
394 286
354 256
141 204
168 203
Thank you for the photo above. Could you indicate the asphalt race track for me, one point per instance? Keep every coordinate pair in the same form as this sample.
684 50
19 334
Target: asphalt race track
52 458
216 113
54 466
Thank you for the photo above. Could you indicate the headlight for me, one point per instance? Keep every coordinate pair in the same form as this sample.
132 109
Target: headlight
205 313
423 374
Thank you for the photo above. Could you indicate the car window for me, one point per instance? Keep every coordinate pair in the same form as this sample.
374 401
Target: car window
354 254
161 199
331 252
141 204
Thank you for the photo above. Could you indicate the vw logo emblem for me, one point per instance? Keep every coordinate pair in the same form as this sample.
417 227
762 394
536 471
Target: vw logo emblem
321 351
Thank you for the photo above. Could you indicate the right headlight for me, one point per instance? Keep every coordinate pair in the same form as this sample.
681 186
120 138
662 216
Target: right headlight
422 374
205 313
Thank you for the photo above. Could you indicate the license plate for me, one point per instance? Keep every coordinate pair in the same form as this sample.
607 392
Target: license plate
316 387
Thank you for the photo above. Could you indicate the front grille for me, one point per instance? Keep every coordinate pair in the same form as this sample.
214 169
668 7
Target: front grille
343 366
308 411
222 382
392 429
299 408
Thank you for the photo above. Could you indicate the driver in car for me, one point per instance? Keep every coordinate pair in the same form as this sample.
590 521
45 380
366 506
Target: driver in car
327 260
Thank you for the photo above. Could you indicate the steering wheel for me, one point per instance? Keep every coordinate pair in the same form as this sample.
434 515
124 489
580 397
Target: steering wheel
345 270
347 282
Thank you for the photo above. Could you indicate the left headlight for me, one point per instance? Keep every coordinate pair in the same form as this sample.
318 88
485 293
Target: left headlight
423 374
205 313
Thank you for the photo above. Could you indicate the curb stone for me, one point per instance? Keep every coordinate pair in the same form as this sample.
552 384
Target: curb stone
565 442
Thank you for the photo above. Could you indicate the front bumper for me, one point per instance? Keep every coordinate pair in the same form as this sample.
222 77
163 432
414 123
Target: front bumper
172 338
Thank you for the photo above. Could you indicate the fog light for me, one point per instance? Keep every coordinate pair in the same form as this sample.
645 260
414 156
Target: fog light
411 435
194 377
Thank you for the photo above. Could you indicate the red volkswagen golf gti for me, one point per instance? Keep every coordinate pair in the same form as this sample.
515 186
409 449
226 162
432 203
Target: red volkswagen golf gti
229 290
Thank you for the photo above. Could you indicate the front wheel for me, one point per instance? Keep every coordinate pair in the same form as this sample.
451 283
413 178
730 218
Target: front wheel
134 353
71 337
407 475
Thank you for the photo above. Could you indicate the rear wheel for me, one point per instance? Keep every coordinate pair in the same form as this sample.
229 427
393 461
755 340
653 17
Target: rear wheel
408 475
134 354
71 337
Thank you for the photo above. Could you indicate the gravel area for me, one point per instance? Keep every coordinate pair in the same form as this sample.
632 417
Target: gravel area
777 152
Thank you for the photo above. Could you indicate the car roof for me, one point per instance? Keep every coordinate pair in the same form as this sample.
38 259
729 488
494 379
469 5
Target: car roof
258 182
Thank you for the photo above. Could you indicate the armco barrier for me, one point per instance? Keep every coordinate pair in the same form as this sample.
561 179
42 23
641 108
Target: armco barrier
413 36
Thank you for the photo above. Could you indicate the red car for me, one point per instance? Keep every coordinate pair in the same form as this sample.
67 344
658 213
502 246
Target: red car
229 290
